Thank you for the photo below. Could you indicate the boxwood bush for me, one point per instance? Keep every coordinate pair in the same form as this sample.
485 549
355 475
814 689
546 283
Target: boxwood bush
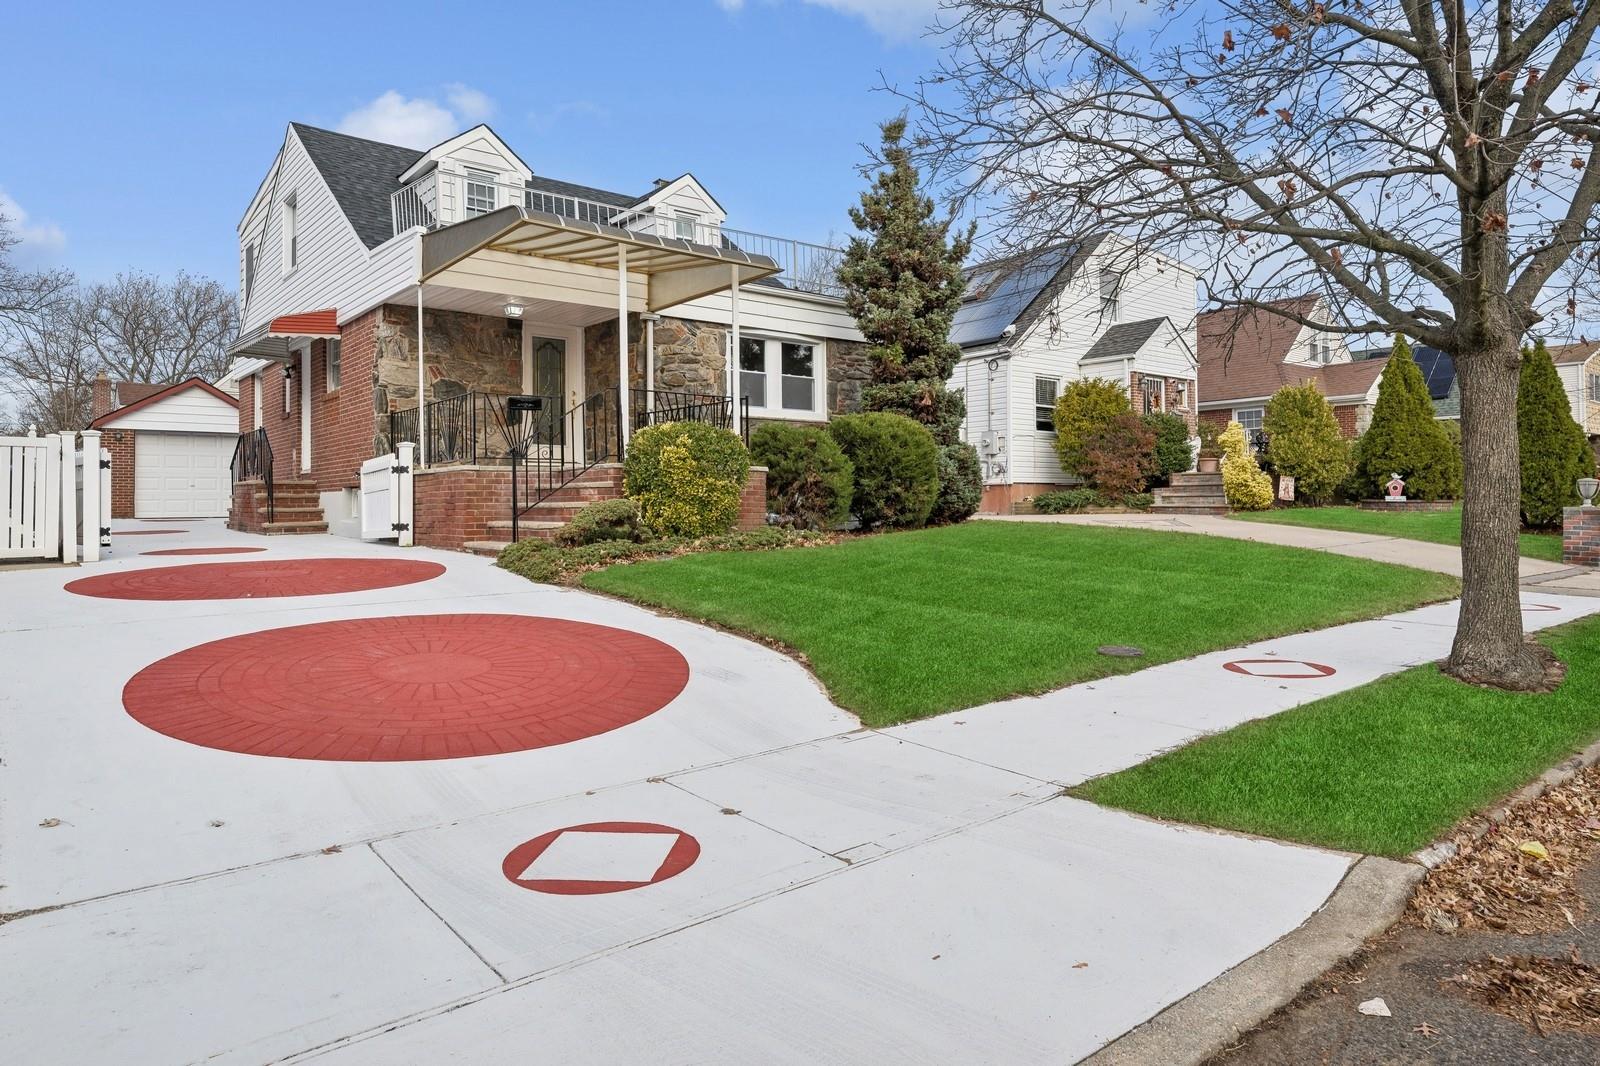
686 478
809 480
602 520
896 468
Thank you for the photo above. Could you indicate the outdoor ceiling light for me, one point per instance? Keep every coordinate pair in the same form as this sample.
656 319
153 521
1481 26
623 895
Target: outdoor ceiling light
1587 487
513 310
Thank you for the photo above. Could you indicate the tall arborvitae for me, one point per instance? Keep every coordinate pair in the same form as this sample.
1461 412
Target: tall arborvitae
1553 448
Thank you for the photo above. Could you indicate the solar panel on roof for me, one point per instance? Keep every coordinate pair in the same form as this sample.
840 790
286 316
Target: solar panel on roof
983 319
1438 370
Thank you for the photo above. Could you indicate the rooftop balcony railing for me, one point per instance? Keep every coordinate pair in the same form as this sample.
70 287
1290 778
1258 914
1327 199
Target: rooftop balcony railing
441 199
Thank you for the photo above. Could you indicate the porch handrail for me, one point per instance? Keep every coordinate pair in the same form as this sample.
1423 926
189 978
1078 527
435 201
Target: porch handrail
654 407
252 459
550 451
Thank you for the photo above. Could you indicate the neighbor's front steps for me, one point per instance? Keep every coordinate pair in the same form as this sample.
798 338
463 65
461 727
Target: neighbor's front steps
1192 493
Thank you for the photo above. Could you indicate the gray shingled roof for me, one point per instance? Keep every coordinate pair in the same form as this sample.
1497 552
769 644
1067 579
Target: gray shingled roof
1123 339
361 174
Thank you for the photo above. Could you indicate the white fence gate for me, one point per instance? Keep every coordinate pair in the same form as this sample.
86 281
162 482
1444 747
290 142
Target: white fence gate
41 479
386 496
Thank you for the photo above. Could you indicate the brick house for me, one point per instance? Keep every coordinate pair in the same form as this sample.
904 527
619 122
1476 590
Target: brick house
170 446
1248 354
393 294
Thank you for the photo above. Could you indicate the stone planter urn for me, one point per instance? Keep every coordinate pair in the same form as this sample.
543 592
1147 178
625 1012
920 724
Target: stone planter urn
1208 464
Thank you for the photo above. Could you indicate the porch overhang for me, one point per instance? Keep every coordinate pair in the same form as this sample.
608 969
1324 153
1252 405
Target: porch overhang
674 270
275 340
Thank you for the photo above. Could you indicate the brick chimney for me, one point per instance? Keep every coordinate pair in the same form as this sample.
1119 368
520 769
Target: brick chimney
100 395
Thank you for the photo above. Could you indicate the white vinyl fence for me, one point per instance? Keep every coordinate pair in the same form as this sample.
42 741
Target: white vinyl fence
41 482
386 496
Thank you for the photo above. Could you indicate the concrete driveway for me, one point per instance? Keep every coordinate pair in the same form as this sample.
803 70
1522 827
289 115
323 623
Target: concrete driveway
719 867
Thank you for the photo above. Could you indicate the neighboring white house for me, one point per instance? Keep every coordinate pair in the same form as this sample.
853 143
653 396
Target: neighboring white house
170 446
1032 324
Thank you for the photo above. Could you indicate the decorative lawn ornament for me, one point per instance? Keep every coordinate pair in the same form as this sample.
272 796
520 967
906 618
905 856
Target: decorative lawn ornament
1395 489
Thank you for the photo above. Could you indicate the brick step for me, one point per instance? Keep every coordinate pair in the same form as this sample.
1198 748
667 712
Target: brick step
1189 508
1191 490
294 527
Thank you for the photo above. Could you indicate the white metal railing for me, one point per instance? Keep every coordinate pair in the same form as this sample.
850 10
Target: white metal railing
440 199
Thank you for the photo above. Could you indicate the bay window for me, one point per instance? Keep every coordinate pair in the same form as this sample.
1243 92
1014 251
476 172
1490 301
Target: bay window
780 377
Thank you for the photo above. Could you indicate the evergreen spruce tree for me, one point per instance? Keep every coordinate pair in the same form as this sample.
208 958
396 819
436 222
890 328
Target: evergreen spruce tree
1405 438
903 283
1554 450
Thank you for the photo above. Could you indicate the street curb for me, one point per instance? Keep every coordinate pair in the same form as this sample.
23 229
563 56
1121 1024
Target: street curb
1371 898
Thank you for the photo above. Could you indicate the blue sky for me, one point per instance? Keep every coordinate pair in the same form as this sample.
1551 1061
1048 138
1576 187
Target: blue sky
138 133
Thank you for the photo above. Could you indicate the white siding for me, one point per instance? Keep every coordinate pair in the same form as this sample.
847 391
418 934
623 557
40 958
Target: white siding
331 256
1572 379
392 269
765 309
984 382
191 411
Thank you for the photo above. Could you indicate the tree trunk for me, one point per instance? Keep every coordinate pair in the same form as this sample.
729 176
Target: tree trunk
1489 646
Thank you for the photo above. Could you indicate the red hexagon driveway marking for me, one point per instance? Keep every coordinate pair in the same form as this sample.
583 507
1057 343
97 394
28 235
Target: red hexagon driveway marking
413 687
1281 669
256 580
586 860
1540 607
203 551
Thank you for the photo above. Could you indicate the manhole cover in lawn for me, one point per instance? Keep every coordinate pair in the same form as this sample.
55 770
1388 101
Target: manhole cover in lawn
263 579
585 860
1282 669
407 688
1120 651
203 551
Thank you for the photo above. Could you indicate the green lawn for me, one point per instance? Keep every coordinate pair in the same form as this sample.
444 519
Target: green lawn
1384 768
906 625
1440 527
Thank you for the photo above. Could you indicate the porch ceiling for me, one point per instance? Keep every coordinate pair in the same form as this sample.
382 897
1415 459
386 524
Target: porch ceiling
674 270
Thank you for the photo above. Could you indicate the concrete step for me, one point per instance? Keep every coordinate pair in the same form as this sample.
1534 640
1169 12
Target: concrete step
1189 508
491 548
1190 490
294 527
1194 477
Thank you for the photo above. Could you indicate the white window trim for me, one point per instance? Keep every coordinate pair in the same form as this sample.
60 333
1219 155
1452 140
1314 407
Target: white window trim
474 176
329 381
1037 406
289 232
691 218
774 375
1237 411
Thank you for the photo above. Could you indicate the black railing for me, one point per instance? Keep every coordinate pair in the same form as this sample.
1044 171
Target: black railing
649 409
252 461
551 448
469 428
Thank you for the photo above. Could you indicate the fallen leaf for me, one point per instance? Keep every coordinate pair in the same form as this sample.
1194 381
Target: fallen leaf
1425 1029
729 810
216 823
49 823
332 849
1536 849
1375 1008
1080 966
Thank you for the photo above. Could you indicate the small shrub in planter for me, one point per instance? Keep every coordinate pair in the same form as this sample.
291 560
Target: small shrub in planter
896 468
1120 457
1085 406
1066 501
809 480
686 478
960 484
1247 486
1173 452
602 520
1209 459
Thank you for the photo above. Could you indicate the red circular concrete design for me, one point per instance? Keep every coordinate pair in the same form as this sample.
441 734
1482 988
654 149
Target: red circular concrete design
413 687
682 855
203 551
264 579
1244 666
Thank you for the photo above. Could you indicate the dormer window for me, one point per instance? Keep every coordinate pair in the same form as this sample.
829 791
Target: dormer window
480 196
684 225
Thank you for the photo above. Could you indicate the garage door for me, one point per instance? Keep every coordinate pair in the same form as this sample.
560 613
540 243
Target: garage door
181 475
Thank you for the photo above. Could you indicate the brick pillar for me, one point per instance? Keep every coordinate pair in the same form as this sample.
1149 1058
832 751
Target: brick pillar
99 395
1580 536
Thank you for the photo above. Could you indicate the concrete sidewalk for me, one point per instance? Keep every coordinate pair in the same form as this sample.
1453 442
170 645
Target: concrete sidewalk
1421 554
917 894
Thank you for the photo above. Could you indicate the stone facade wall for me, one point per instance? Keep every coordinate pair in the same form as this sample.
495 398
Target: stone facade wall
1580 536
465 353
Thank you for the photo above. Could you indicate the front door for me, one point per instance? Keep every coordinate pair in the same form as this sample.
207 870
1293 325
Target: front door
552 367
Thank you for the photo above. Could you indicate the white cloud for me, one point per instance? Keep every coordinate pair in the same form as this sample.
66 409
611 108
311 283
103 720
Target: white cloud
898 20
419 121
38 242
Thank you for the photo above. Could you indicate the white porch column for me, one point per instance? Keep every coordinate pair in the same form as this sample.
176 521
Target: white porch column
422 392
622 344
650 320
733 350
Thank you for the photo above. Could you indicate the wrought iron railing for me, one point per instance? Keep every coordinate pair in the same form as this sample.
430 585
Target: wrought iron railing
804 266
252 461
467 428
552 448
647 409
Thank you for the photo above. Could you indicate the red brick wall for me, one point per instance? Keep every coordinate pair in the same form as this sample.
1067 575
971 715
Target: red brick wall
342 420
1346 415
753 501
453 505
1580 536
1220 419
120 443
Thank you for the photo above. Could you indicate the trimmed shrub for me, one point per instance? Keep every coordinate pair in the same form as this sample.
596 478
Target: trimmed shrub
602 520
1083 407
1248 488
1138 501
540 561
925 400
1119 458
896 467
809 480
1066 501
1174 454
686 478
960 484
1404 437
1304 442
1554 449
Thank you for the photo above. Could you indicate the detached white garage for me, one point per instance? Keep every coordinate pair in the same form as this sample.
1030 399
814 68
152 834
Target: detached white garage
170 448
